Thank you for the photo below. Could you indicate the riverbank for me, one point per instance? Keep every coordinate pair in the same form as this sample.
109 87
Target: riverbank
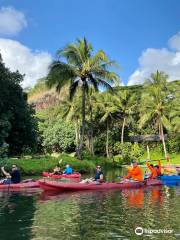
35 165
174 158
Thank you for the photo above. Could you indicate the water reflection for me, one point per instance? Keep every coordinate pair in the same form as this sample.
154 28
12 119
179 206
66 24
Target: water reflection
101 215
16 214
107 214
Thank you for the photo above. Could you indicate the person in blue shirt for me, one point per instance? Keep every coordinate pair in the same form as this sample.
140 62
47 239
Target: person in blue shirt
99 174
97 179
68 170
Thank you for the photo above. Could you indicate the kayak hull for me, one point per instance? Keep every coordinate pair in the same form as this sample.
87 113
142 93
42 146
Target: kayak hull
59 176
19 186
59 186
174 178
153 182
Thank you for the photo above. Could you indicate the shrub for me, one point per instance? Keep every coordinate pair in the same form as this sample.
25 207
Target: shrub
127 151
59 136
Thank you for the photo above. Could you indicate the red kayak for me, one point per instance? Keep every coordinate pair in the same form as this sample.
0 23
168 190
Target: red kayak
19 186
60 186
57 176
153 182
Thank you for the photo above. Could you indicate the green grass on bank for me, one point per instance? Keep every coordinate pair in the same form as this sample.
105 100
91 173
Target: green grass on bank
174 158
36 165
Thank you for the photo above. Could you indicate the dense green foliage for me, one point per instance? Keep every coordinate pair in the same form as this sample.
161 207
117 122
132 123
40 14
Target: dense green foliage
127 103
57 135
36 165
17 124
115 122
80 68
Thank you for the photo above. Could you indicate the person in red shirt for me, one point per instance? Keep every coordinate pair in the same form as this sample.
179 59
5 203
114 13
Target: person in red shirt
135 173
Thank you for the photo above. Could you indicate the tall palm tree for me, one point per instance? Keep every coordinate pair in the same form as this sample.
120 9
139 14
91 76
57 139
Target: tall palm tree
126 102
91 98
175 111
106 108
156 105
71 112
78 67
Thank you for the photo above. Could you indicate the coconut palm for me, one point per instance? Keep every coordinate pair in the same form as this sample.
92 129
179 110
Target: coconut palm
91 99
71 112
126 102
107 109
155 104
175 110
78 67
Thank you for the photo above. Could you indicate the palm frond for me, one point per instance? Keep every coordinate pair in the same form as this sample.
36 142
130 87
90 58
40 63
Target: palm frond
59 74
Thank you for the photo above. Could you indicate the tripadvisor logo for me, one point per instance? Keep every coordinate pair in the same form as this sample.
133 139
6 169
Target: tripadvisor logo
139 231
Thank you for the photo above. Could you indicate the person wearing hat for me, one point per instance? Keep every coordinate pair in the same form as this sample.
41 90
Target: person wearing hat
99 174
98 178
135 172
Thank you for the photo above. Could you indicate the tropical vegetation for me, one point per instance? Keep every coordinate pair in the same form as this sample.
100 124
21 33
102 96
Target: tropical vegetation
94 116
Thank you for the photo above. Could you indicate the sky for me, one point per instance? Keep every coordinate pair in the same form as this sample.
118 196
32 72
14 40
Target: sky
141 35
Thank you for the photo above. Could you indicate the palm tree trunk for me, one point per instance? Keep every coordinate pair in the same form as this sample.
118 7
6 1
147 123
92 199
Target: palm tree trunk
122 131
79 150
163 140
91 133
77 134
107 139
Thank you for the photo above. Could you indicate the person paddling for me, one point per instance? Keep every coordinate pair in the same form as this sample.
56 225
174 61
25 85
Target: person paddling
13 177
68 170
135 173
155 170
99 174
98 178
158 169
57 170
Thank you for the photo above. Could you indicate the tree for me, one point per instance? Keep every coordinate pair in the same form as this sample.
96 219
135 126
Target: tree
106 107
126 102
59 136
78 67
18 126
156 104
71 112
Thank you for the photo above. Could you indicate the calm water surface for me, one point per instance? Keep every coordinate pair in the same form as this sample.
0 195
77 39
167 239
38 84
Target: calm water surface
90 214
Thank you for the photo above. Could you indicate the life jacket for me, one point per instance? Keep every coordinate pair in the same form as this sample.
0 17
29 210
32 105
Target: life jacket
135 173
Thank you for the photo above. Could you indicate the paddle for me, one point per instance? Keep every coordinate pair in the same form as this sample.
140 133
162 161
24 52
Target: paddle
4 162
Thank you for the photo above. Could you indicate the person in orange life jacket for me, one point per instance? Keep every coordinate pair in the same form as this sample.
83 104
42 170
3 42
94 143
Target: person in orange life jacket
158 168
135 173
155 170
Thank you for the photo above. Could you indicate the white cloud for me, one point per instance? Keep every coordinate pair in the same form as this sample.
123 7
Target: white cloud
163 59
174 42
34 64
11 21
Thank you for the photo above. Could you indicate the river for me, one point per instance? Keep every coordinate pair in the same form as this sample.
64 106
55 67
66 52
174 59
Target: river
91 215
